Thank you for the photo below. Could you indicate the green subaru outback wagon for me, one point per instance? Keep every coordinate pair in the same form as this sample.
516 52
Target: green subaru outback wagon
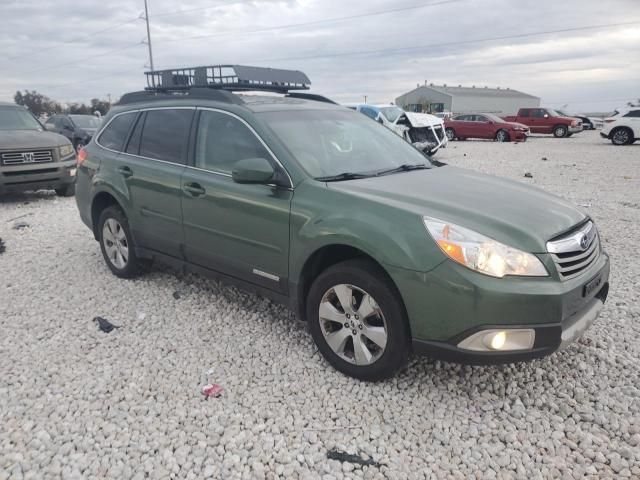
380 250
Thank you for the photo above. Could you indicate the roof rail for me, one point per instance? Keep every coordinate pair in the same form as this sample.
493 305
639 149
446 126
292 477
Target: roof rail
227 77
198 93
311 96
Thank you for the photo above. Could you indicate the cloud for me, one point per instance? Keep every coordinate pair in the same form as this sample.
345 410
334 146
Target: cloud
73 51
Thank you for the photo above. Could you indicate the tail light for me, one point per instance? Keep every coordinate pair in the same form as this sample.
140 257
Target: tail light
81 157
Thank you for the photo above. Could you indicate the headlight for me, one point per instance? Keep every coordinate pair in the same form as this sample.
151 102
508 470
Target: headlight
66 150
482 254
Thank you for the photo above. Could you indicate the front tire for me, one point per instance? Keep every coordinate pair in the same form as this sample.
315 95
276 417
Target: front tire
502 136
622 136
66 191
116 243
358 321
560 131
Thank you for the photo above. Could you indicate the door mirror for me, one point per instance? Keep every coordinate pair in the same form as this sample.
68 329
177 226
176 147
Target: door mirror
253 170
546 115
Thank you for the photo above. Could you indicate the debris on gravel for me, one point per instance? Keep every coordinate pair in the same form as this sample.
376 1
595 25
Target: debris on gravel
349 457
2 246
105 325
127 405
20 225
176 295
528 175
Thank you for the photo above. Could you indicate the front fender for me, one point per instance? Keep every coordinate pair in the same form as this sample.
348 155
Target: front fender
322 216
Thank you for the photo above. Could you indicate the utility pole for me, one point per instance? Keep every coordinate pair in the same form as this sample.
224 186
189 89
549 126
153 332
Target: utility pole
109 97
365 99
146 18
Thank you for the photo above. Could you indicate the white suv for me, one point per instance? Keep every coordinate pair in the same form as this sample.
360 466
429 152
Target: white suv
623 127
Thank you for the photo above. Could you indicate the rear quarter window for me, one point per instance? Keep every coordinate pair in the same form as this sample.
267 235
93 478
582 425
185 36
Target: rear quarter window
115 134
633 113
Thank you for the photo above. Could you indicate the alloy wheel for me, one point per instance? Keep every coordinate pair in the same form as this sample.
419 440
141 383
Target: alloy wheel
115 243
501 136
621 137
353 324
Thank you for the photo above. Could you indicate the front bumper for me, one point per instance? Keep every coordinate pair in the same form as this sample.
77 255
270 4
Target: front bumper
575 129
451 303
42 176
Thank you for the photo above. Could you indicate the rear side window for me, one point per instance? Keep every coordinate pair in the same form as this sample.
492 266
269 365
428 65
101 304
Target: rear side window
223 140
633 113
114 136
165 135
369 112
524 113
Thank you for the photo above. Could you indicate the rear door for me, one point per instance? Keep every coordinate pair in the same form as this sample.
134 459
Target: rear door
152 165
241 230
463 127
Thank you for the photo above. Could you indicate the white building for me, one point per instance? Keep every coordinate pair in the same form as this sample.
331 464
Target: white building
442 98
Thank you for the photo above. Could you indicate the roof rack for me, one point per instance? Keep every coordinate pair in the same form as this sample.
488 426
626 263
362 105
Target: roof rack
227 77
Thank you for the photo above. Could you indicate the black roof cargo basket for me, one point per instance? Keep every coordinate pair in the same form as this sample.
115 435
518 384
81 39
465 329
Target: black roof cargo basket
227 77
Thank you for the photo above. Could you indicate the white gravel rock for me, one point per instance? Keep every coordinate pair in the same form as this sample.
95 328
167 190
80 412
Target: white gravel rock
78 403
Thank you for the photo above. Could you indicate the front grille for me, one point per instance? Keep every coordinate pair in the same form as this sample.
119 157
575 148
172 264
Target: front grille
21 158
575 251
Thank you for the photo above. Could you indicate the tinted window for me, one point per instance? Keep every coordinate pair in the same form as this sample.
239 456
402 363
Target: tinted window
369 112
133 146
223 140
115 134
524 113
633 113
538 113
165 135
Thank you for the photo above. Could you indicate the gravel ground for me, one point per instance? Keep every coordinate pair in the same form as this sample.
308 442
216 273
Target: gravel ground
79 403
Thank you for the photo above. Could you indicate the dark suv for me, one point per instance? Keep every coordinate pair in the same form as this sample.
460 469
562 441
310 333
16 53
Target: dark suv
315 205
32 158
77 128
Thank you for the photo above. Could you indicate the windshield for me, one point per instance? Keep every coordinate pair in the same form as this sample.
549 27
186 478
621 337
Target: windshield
391 113
331 142
85 121
554 113
18 119
493 118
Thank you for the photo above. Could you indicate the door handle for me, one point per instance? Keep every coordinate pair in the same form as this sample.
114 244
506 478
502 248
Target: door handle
193 189
125 171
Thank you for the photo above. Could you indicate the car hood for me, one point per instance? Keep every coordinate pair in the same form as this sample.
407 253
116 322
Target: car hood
419 120
24 139
511 212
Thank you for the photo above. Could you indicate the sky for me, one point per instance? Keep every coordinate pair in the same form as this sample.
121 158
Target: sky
587 61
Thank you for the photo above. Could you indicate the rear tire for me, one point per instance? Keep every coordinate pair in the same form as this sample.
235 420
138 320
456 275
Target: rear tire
621 136
117 244
66 191
350 337
560 131
451 134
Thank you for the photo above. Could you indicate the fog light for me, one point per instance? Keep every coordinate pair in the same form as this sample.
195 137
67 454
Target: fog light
496 340
499 340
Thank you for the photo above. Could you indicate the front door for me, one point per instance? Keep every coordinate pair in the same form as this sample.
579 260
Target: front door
241 230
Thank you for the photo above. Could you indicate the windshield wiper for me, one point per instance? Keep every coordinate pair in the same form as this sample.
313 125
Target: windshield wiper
342 176
405 167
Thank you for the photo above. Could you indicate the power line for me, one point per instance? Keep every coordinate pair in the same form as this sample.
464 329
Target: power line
61 44
75 62
315 22
448 44
199 9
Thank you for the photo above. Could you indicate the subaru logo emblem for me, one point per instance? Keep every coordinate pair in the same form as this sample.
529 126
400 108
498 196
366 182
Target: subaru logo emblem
584 242
28 157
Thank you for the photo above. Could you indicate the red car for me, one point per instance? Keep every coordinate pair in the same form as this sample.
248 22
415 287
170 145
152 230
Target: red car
485 125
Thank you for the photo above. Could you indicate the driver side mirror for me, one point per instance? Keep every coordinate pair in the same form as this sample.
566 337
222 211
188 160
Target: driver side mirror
253 170
546 115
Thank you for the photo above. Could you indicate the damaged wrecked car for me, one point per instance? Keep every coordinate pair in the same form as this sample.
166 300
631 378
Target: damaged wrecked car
425 132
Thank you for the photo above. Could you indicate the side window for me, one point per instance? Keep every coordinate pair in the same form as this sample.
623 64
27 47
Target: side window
633 113
65 122
539 113
481 118
165 134
115 134
369 112
133 146
523 113
223 140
